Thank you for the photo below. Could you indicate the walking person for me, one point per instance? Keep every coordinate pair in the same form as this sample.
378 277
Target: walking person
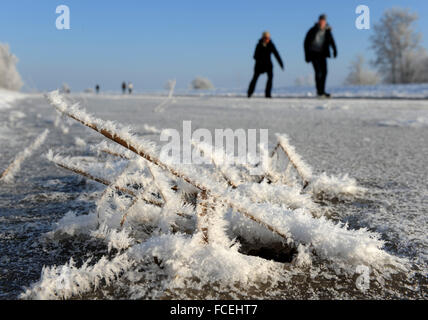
318 41
264 49
97 88
123 87
130 87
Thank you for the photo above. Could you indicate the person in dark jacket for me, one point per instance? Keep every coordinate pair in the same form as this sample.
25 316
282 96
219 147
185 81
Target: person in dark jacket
318 41
123 87
262 55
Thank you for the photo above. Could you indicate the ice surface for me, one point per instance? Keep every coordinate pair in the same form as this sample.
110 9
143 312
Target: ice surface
385 192
9 174
411 91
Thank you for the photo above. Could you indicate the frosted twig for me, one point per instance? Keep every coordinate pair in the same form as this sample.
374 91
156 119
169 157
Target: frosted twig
302 168
112 153
111 132
207 151
330 240
122 222
202 212
103 181
8 174
160 107
113 150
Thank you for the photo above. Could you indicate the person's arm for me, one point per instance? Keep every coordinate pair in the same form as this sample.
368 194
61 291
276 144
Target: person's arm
256 52
277 56
333 44
307 45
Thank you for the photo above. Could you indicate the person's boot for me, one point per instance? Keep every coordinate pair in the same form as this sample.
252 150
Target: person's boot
324 96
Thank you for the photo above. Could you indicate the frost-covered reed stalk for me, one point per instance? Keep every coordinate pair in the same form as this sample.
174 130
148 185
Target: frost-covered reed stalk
324 186
202 212
67 281
172 84
112 153
10 172
108 190
267 166
258 192
63 163
151 129
122 222
334 241
114 150
145 149
218 160
303 169
171 87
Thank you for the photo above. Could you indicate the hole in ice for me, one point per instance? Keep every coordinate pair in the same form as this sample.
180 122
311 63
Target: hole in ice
277 251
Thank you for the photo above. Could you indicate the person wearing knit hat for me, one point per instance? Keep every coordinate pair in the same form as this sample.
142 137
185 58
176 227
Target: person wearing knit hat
264 49
317 45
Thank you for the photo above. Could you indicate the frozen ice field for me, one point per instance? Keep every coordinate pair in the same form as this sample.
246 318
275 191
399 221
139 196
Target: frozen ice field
383 144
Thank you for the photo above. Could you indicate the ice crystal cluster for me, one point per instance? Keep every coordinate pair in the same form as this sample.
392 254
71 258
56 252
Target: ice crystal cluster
169 227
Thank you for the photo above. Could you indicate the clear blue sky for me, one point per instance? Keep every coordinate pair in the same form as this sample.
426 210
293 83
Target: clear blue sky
150 42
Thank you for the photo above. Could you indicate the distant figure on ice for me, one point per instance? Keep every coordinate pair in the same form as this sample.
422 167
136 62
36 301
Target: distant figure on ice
123 87
97 88
130 87
262 55
318 41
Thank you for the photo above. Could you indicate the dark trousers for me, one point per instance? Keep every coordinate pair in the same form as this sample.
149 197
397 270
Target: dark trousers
268 84
320 67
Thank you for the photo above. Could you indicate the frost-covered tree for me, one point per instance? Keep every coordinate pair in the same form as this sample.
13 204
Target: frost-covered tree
359 75
416 66
202 84
9 75
395 41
